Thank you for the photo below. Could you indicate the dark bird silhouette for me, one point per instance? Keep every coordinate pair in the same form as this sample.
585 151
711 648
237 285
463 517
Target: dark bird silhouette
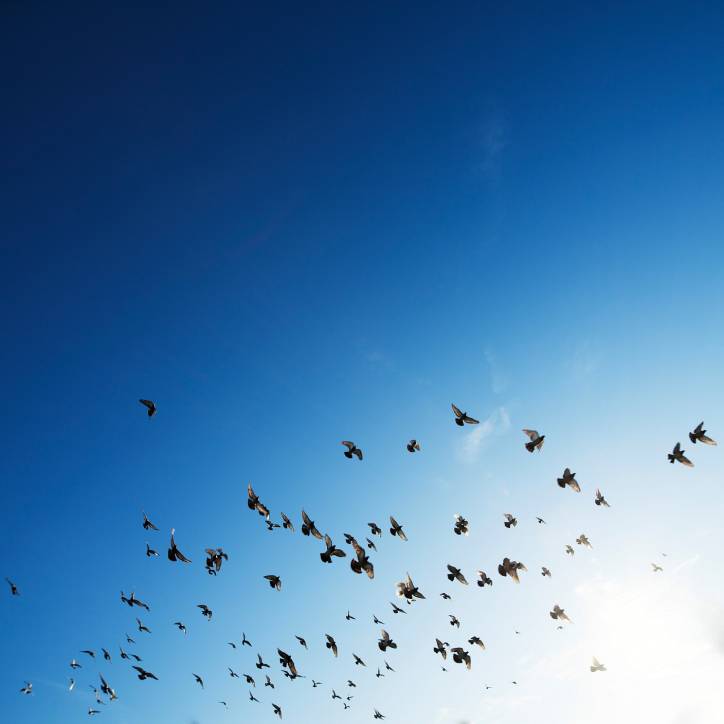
150 407
315 684
454 620
141 627
133 601
656 568
335 695
511 568
375 529
377 715
569 479
358 661
461 657
331 551
214 559
388 667
286 523
456 574
385 642
253 502
361 562
476 641
484 580
180 626
351 684
377 620
461 525
559 614
245 641
301 641
677 454
129 639
143 674
249 680
462 418
13 589
260 663
349 617
569 550
540 521
274 581
75 665
269 682
545 572
371 545
270 525
447 596
277 710
232 673
107 689
90 653
205 611
351 450
174 554
252 697
379 674
583 541
150 552
308 527
397 609
147 525
408 590
535 440
699 435
509 520
600 500
199 680
106 655
396 529
413 446
232 644
286 660
331 644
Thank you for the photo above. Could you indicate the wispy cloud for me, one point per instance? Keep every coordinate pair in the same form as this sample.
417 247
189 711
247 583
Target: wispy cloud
497 423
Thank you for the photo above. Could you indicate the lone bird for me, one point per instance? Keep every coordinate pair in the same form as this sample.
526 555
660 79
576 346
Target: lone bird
351 450
150 552
413 446
455 574
147 525
656 569
461 525
277 710
511 568
133 601
253 502
27 689
180 626
308 527
509 520
361 562
447 596
569 479
476 641
13 588
377 715
286 660
535 440
205 611
199 680
484 580
439 648
461 657
331 644
397 609
260 663
596 665
386 642
454 620
677 454
699 435
462 418
559 614
545 572
600 500
541 521
570 551
274 581
358 661
286 523
301 641
583 541
174 554
150 407
396 529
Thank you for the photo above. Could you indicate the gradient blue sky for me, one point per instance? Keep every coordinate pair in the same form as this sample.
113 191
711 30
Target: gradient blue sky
295 226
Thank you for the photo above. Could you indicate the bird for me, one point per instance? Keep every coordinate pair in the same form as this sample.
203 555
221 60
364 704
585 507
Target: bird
379 674
301 641
106 655
13 588
92 711
345 705
351 450
335 695
377 715
385 642
570 551
150 406
569 479
509 520
596 665
90 653
377 620
315 684
678 454
75 665
132 601
286 523
439 648
447 596
476 641
535 440
205 611
396 529
274 581
388 667
286 660
461 525
699 435
232 644
358 661
600 500
277 710
141 627
268 682
107 689
656 568
270 525
461 657
545 572
180 626
349 617
413 446
455 574
223 703
375 529
245 641
147 525
174 554
454 620
371 545
331 551
71 684
559 614
253 502
408 590
252 697
308 527
150 552
511 568
214 559
361 562
143 674
541 521
129 639
260 663
351 684
249 679
232 673
397 609
583 541
483 579
462 418
27 689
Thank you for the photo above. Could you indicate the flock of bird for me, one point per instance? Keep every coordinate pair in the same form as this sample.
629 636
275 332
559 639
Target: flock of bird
360 562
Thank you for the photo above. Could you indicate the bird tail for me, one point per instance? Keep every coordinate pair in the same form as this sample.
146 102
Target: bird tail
529 446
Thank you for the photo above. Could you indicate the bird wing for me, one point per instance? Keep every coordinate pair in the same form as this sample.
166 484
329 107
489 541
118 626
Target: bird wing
457 411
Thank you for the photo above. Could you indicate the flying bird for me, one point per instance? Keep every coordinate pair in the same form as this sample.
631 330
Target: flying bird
511 568
408 590
462 418
358 661
454 620
214 559
245 641
596 665
385 642
376 620
132 601
205 611
461 525
559 614
351 450
106 655
600 500
174 554
397 609
301 641
249 679
253 502
570 551
375 529
476 641
569 479
677 454
71 684
332 551
699 435
107 689
232 673
180 626
147 525
484 580
331 644
308 527
150 407
440 648
377 715
583 541
509 520
371 545
268 682
388 667
286 523
361 562
535 440
252 697
27 689
75 665
545 572
447 596
150 552
396 529
656 569
143 674
413 446
541 521
142 627
260 663
13 588
277 710
199 680
456 574
274 581
286 660
349 617
461 657
90 653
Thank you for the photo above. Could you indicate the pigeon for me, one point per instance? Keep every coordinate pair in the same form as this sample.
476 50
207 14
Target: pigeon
132 601
570 551
106 655
13 589
260 663
351 450
377 715
249 680
699 435
335 695
301 641
447 596
600 500
545 572
678 454
92 711
396 529
454 620
408 590
129 639
349 617
371 545
232 644
274 581
484 580
379 674
455 574
583 541
286 660
559 614
75 665
361 562
569 479
345 705
245 641
253 502
232 673
143 674
358 661
223 703
150 407
27 689
71 684
377 621
535 440
388 667
351 684
461 657
331 551
277 710
90 653
141 627
150 552
107 689
147 525
511 568
510 520
462 418
180 626
199 680
214 559
656 569
375 529
413 446
541 521
205 611
386 642
440 648
286 523
308 527
174 554
596 665
252 697
476 641
268 682
461 525
397 609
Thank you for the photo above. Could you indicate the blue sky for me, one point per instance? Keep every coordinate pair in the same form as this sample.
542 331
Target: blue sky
290 228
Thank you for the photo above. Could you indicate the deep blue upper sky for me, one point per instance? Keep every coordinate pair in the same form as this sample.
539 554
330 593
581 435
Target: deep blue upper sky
291 226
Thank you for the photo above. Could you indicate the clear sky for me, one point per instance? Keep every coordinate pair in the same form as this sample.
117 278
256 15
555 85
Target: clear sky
292 226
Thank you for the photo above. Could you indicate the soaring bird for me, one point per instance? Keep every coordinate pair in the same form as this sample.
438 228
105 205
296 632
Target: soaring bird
454 620
286 523
476 641
351 450
656 569
274 581
600 500
358 661
455 574
377 715
143 674
332 551
308 527
269 682
569 550
71 684
484 580
596 665
232 673
301 641
92 711
331 644
27 689
379 674
535 440
569 479
245 641
13 588
150 552
397 609
335 695
545 572
142 627
205 611
511 568
386 642
375 529
253 502
277 710
252 697
106 654
371 545
509 520
462 418
388 667
180 626
396 529
260 663
249 679
349 617
75 665
440 648
174 554
133 601
582 540
377 621
214 559
107 689
678 454
461 525
413 446
408 590
699 435
199 680
447 596
361 562
90 653
232 644
559 614
286 660
150 407
147 525
461 657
